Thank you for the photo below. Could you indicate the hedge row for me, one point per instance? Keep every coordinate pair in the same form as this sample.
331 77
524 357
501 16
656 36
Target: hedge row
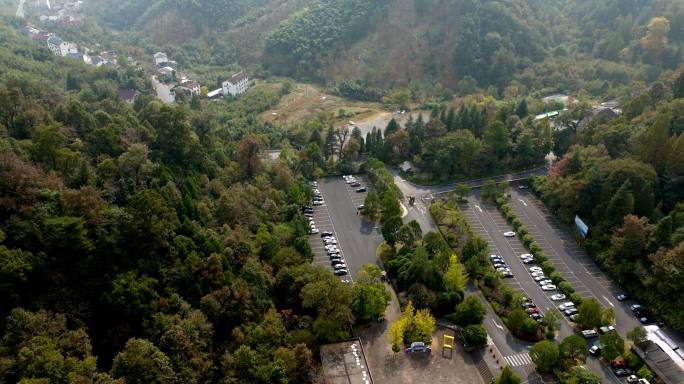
534 248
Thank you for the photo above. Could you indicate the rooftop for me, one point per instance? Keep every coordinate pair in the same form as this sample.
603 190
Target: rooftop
661 354
238 77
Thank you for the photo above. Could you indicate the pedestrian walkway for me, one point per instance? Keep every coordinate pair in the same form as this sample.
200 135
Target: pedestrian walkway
518 360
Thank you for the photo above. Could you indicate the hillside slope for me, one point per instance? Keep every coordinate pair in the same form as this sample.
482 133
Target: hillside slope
393 43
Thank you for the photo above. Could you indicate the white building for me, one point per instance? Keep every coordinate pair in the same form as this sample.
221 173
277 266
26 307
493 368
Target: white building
236 85
60 47
191 87
160 58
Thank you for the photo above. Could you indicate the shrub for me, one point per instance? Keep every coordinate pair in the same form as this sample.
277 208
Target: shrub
475 335
556 277
576 298
565 288
527 239
547 266
645 373
537 252
516 223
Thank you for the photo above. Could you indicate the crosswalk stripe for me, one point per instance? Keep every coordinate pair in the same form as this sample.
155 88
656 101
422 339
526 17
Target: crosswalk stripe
518 360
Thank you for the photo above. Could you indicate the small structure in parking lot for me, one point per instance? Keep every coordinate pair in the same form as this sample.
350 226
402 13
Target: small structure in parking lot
345 362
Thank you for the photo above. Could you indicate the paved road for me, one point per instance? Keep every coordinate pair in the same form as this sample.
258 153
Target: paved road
358 239
486 220
163 91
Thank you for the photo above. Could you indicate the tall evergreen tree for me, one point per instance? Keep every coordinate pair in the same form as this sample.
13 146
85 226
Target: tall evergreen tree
621 204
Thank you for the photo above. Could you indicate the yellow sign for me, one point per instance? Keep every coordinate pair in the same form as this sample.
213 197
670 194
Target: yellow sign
448 341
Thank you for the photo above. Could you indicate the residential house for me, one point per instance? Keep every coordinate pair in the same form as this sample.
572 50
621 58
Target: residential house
190 87
69 21
42 36
29 31
127 95
604 112
166 73
236 85
76 56
160 58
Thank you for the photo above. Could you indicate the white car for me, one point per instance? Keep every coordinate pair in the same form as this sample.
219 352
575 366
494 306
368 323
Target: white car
548 287
527 256
566 305
558 297
314 231
330 241
537 273
535 269
546 282
318 202
509 234
539 278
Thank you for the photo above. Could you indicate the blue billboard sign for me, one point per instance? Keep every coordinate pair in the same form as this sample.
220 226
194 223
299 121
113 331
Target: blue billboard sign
581 227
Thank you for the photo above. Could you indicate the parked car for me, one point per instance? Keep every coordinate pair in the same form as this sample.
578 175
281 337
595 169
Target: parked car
606 329
546 282
636 308
313 231
507 274
341 272
570 311
528 261
589 333
418 346
495 257
558 297
528 305
622 297
594 350
526 256
632 379
499 265
645 320
566 305
355 184
509 234
535 269
548 287
362 189
318 202
532 310
360 207
537 316
539 278
537 273
340 266
621 372
574 317
643 381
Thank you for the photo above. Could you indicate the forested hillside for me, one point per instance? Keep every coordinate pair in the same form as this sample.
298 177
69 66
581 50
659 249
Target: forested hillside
147 243
512 46
625 179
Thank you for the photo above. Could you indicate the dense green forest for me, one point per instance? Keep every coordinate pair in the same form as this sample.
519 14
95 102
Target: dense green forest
148 243
625 179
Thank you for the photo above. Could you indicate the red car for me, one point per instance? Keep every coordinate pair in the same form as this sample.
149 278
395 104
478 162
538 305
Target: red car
532 310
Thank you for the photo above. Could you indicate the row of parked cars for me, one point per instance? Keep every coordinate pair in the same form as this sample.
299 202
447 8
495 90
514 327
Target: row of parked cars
500 265
336 259
351 180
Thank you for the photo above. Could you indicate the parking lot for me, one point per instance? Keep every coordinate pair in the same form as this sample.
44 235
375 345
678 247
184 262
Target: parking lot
568 257
487 221
357 238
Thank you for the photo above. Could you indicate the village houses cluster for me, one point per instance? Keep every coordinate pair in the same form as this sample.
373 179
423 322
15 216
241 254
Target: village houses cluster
166 70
